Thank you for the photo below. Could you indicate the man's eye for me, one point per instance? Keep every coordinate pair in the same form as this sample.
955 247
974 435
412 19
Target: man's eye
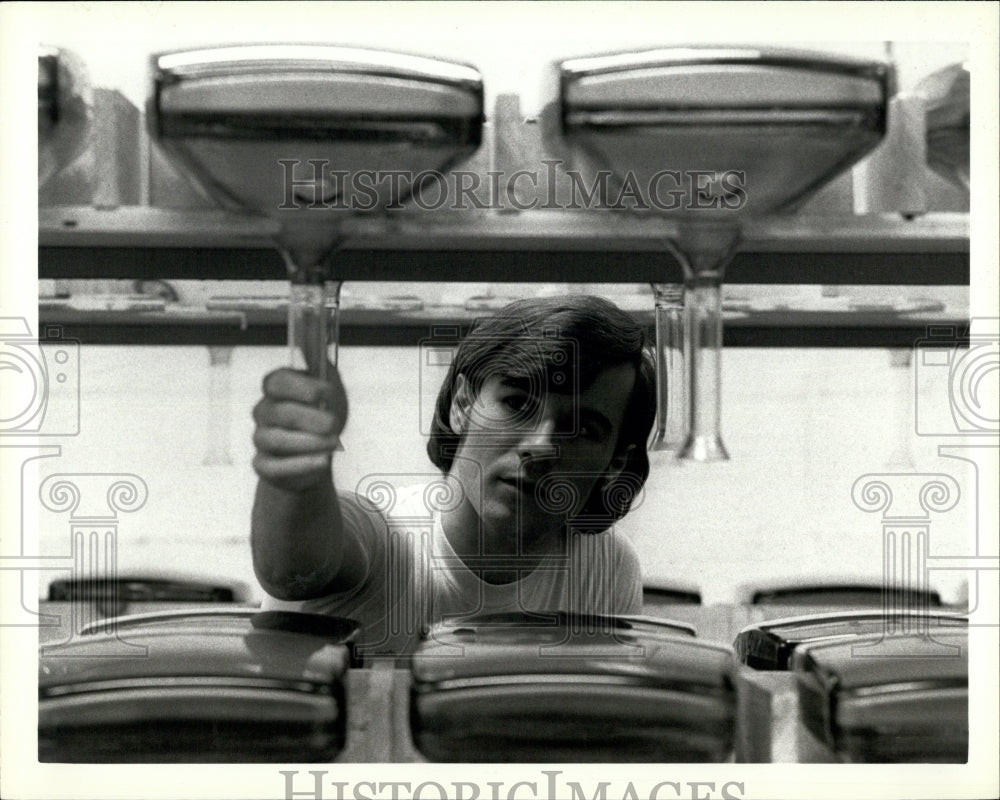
590 429
515 402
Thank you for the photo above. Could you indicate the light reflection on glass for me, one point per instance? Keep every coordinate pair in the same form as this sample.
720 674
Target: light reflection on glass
671 425
219 391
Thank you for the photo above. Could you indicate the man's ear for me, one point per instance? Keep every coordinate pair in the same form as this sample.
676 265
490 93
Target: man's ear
461 405
618 462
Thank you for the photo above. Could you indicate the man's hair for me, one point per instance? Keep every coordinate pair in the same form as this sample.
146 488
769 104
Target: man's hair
535 340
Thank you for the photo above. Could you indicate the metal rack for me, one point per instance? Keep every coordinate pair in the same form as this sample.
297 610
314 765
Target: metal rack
141 242
551 246
137 218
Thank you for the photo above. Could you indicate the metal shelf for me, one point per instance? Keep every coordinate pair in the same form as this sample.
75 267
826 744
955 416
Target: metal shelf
371 328
532 246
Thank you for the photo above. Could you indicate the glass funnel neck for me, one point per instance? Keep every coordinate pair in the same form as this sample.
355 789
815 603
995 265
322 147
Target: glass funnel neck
307 248
704 249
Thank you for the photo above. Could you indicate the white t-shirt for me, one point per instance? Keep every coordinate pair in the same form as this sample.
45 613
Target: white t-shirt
415 579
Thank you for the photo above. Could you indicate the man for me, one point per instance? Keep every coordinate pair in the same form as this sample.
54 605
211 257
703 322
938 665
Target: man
540 433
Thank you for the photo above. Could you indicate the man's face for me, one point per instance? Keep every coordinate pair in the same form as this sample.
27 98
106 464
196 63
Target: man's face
527 463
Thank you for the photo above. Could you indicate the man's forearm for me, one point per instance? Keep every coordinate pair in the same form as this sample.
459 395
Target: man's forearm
297 540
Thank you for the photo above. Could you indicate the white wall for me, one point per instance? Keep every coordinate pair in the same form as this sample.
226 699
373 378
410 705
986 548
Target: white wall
801 425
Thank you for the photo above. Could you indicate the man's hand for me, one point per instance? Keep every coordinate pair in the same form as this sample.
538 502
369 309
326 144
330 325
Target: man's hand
298 421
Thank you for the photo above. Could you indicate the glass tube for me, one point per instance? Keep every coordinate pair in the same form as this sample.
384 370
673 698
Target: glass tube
703 353
219 382
901 375
704 251
671 427
314 328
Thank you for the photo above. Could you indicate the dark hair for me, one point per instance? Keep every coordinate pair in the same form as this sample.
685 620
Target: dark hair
533 339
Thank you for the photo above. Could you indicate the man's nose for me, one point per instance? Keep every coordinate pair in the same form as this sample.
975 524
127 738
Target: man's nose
539 440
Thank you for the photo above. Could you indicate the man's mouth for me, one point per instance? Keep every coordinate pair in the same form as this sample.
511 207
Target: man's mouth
523 485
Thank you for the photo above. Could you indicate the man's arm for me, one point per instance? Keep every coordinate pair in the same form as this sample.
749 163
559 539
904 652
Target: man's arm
302 547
